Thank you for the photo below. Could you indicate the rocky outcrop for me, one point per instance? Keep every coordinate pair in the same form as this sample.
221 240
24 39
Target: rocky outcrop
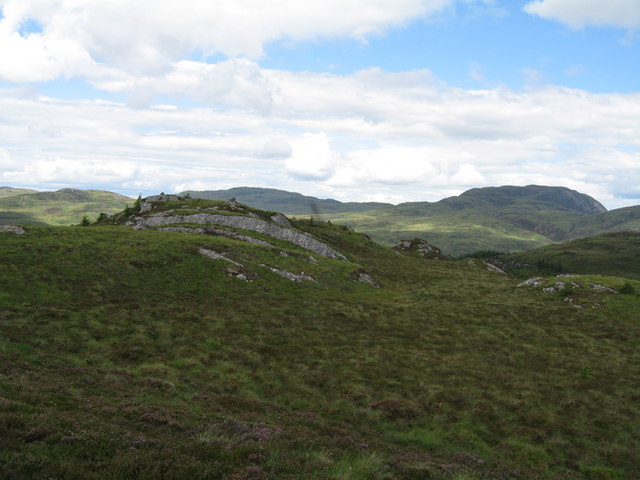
12 229
217 256
216 231
364 277
243 222
421 247
147 203
494 268
281 220
291 276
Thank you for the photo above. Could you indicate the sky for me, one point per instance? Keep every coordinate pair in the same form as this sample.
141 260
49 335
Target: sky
356 100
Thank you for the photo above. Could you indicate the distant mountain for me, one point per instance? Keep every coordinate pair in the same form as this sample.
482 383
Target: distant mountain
615 253
504 218
63 207
11 192
289 203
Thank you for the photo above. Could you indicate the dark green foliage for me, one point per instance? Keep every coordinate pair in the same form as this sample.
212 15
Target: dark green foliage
616 253
127 354
627 289
482 254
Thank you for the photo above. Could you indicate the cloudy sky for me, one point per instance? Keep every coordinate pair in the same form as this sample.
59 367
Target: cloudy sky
387 100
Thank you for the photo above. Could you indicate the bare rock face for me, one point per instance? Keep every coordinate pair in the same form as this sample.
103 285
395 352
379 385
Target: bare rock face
421 247
364 277
243 222
12 229
281 220
493 268
147 203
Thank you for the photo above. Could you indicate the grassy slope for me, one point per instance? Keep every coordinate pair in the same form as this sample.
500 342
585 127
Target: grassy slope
63 207
125 354
289 203
615 253
515 227
10 192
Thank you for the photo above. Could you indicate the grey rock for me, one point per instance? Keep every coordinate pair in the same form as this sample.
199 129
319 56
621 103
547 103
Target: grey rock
147 203
217 256
291 276
493 268
300 239
603 288
281 220
366 278
12 229
532 282
182 229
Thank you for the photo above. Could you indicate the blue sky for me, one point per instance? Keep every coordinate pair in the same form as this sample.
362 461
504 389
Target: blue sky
402 100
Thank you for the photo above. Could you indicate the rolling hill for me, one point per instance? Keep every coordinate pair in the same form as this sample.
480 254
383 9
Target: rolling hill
209 340
63 207
11 192
615 253
289 203
495 218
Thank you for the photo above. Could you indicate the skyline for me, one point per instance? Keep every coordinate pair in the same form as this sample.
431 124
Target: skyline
411 100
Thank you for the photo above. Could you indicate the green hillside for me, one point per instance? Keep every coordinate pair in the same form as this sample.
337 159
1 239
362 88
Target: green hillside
241 353
10 192
63 207
495 218
289 203
616 253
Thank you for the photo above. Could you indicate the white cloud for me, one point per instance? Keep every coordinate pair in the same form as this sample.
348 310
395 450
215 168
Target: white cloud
312 157
85 37
581 13
354 137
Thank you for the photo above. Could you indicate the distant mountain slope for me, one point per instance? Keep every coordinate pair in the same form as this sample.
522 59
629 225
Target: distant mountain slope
616 253
496 218
11 192
63 207
289 203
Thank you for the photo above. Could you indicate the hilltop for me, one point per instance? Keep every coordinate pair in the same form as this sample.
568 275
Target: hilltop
10 192
495 218
616 253
289 203
503 218
63 207
185 338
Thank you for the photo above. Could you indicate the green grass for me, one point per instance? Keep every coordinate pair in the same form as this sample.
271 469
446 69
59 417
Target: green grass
616 253
126 354
63 207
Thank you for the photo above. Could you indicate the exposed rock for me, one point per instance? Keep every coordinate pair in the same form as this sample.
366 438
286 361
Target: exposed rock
12 229
559 286
147 203
366 278
532 282
572 301
281 220
216 256
603 288
421 247
493 268
183 229
290 276
300 239
556 288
